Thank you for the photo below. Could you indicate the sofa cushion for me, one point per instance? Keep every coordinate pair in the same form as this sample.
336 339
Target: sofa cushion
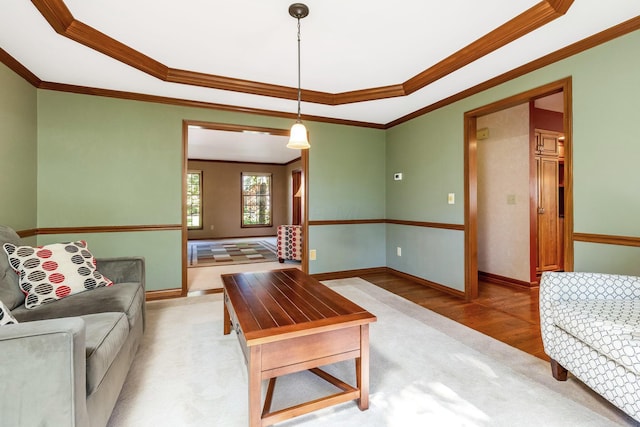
121 297
105 335
10 292
612 327
5 315
52 272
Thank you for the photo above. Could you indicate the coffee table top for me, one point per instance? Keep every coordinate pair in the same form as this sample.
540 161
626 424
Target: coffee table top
282 304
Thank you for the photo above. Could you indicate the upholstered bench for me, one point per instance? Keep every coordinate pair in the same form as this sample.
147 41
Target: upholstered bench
590 326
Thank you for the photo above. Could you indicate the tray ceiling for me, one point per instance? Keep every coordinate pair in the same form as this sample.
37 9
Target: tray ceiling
365 61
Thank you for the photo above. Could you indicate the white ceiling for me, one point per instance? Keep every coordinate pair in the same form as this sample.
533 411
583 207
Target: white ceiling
347 45
553 102
210 144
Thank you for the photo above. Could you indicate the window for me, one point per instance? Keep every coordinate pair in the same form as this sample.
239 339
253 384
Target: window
256 199
194 200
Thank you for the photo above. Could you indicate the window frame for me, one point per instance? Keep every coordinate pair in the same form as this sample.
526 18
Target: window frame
188 201
269 196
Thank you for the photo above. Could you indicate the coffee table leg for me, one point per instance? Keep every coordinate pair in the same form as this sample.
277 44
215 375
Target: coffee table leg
227 318
255 386
362 368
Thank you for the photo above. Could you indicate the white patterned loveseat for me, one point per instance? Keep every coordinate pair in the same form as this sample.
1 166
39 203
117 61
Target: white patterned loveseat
590 325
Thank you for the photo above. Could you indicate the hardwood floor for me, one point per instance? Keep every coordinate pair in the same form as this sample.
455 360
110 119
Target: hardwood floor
507 314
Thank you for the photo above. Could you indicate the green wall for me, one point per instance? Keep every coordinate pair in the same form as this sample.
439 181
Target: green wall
94 161
346 182
113 162
429 151
103 161
18 158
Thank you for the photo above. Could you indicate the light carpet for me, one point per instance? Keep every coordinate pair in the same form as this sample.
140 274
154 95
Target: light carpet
426 370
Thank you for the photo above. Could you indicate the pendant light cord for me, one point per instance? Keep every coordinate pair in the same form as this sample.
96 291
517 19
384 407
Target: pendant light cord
299 89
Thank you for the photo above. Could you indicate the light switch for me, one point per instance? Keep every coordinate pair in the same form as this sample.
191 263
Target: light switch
451 199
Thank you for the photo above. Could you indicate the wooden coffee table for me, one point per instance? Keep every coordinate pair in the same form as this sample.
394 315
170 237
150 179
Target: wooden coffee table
287 321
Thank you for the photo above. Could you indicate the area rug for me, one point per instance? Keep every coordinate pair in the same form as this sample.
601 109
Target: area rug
426 370
207 253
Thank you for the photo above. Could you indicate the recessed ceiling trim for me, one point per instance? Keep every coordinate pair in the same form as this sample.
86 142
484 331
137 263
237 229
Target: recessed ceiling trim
609 34
530 20
246 86
573 49
588 43
61 19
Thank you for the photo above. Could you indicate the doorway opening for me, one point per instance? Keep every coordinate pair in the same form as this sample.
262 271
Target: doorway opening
233 210
473 136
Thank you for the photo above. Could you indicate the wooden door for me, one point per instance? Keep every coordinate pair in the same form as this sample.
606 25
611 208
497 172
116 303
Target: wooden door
547 143
548 215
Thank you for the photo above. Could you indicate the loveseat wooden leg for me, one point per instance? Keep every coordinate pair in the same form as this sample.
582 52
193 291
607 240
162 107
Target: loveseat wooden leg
558 371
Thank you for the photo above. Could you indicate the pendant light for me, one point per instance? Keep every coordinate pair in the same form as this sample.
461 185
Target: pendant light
298 138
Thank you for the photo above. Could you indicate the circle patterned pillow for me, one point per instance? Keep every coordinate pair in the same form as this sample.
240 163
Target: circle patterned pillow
52 272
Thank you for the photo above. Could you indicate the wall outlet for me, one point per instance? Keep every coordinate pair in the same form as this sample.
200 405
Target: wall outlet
397 176
399 251
511 199
212 228
312 255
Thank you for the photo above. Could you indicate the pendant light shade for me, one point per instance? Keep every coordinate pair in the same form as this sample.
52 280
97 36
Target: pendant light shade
298 139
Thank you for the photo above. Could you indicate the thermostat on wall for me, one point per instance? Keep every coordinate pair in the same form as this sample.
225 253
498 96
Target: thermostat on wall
397 176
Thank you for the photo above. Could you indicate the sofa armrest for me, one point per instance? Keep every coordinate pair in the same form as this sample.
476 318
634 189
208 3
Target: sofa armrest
572 286
43 373
121 270
558 287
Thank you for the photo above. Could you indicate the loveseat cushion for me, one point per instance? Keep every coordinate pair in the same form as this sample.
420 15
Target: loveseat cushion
105 334
611 327
10 292
121 297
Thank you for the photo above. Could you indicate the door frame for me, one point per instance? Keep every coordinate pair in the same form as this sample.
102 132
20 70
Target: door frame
304 155
471 176
296 178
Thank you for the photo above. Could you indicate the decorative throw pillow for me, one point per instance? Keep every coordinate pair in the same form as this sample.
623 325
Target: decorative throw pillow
52 272
5 315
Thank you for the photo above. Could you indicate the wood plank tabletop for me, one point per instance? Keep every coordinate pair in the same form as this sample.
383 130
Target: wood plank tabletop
273 304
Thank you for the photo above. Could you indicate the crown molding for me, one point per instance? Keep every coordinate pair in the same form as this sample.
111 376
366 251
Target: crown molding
528 21
85 90
62 21
356 96
573 49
